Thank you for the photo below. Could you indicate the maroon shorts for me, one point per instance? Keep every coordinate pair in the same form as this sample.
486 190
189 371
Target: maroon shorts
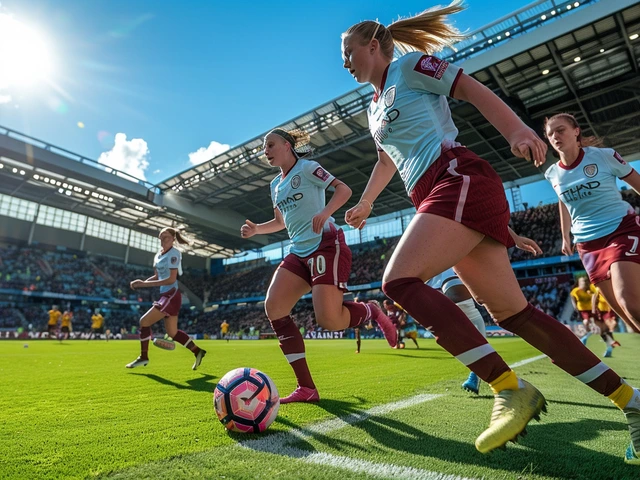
463 187
621 245
330 264
169 302
586 315
608 315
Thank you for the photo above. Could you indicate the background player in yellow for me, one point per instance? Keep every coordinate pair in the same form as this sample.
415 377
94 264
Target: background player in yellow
581 300
97 324
224 330
54 318
65 326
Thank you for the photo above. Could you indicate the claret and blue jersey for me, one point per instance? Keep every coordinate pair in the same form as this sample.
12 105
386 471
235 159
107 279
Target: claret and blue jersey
410 120
299 196
164 263
589 191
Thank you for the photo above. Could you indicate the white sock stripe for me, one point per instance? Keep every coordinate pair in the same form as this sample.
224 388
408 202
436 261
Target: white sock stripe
293 357
186 344
475 354
147 338
593 373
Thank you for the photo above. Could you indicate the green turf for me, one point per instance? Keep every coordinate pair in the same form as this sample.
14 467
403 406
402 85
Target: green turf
72 410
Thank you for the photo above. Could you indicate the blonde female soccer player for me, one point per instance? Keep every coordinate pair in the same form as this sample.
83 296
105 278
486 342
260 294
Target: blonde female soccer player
167 265
319 260
462 215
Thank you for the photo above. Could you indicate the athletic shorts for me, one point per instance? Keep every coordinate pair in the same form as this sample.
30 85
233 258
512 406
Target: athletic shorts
98 330
169 302
621 245
64 329
463 187
608 315
586 315
330 264
52 328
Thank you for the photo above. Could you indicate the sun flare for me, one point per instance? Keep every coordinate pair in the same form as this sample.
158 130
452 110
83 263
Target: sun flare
24 55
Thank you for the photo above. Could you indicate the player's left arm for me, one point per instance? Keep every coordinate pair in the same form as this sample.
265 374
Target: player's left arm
522 139
633 180
338 199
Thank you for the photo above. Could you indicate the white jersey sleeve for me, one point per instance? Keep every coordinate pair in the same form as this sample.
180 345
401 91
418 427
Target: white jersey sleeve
616 163
317 175
426 73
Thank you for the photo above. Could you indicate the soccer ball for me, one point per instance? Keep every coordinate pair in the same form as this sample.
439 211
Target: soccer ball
246 400
402 345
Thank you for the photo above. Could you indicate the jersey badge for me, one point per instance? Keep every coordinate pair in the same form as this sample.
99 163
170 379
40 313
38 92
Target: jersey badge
431 66
618 157
591 170
295 181
174 260
321 173
390 97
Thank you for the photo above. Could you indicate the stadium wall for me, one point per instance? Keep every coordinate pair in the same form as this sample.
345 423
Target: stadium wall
14 228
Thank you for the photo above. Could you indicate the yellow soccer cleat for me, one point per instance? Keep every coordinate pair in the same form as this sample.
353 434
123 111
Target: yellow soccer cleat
512 411
633 420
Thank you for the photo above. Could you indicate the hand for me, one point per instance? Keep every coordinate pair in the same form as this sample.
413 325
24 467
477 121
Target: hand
249 229
136 284
528 245
318 221
357 216
525 144
567 247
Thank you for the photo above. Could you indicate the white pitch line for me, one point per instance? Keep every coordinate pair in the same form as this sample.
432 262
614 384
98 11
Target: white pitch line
527 360
278 444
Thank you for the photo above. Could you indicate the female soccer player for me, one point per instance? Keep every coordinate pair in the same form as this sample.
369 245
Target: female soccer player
605 319
605 228
52 324
319 259
167 265
462 215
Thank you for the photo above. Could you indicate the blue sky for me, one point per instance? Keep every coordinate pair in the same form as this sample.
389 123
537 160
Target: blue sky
177 76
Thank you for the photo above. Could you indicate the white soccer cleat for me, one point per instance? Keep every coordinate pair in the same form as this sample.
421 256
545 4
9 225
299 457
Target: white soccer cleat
138 362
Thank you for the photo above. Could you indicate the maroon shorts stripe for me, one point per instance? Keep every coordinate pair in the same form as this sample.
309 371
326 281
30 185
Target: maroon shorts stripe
169 302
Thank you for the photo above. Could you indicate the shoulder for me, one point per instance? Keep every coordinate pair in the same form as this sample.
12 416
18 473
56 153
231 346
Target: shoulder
552 171
276 180
411 59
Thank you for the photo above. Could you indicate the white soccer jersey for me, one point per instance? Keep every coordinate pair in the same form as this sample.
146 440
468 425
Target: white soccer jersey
299 197
164 263
589 191
411 120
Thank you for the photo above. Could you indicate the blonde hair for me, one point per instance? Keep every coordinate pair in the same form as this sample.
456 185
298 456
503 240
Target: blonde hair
591 141
177 234
426 32
299 139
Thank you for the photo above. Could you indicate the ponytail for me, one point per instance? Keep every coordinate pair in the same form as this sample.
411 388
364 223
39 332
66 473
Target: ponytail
426 32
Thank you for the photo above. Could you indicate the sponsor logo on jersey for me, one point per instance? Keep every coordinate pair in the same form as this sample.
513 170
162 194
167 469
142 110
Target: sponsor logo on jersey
382 133
295 181
618 157
321 173
289 203
579 192
590 170
390 97
431 66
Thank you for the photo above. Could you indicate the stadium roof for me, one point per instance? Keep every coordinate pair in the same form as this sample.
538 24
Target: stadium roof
586 64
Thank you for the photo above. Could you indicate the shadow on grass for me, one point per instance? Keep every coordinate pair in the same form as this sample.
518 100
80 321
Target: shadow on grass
549 449
200 384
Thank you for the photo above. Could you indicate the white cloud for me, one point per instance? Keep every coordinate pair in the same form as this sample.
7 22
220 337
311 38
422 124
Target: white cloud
204 154
129 156
157 170
4 98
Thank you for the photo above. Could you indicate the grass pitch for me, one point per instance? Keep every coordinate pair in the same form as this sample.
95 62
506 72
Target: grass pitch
71 410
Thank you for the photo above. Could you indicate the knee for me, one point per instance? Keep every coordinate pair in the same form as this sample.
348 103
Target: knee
632 307
271 308
171 331
394 289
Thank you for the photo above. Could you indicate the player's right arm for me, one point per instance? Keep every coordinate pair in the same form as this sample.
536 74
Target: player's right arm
381 175
574 298
249 229
565 228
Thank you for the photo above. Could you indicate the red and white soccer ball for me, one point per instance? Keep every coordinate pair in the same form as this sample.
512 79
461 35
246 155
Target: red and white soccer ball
246 400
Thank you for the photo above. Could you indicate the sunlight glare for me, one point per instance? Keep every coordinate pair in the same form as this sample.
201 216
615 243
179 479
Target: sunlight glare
24 56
